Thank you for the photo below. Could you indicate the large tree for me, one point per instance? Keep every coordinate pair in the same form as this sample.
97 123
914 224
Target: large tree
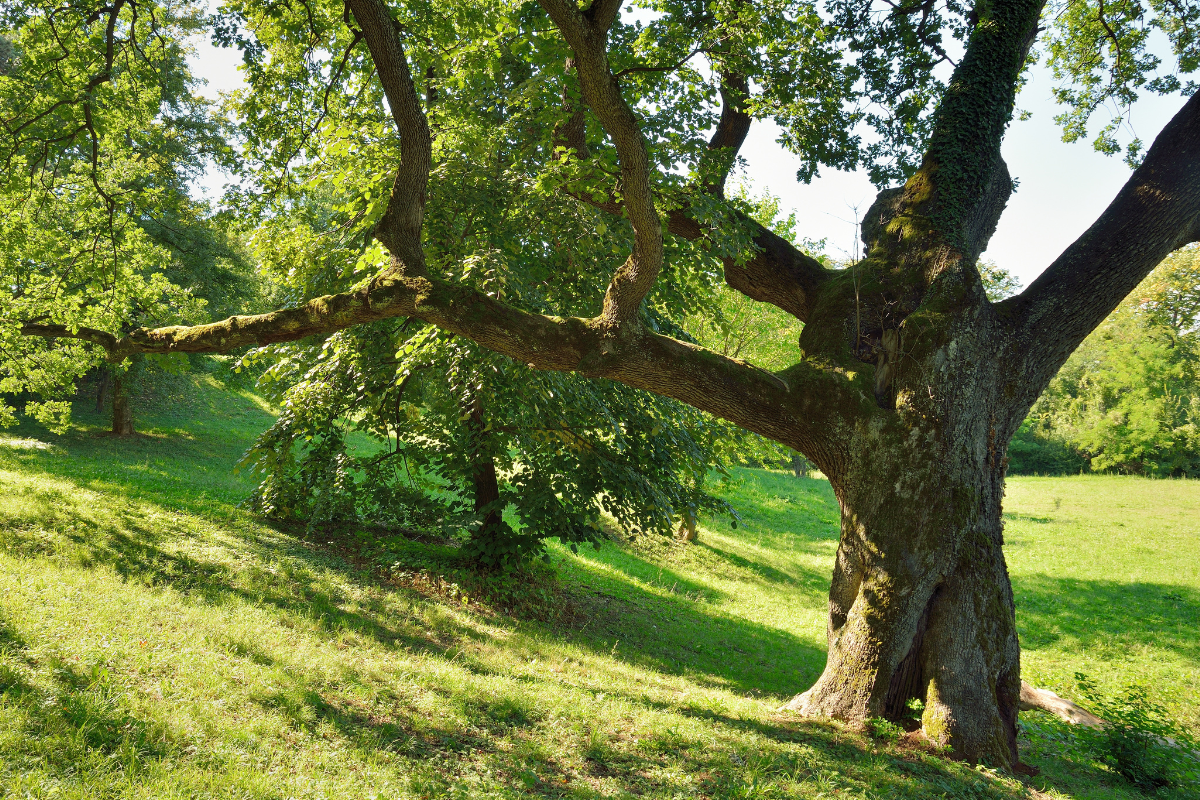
908 381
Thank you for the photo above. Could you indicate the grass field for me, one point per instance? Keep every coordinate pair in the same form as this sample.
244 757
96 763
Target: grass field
156 641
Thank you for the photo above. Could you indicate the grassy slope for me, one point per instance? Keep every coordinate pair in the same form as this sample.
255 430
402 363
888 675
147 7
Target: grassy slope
155 641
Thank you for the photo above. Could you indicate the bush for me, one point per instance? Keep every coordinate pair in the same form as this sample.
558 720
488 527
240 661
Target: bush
1139 741
1032 452
884 729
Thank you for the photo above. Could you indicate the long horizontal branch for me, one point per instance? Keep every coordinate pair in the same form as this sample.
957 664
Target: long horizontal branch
111 344
792 412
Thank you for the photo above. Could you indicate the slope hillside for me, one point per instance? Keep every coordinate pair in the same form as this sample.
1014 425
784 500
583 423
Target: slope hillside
157 641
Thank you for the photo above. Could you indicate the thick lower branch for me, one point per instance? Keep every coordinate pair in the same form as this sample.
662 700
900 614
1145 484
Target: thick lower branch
778 273
795 412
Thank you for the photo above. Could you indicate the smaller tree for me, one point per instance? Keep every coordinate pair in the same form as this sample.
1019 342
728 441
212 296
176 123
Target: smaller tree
400 424
455 435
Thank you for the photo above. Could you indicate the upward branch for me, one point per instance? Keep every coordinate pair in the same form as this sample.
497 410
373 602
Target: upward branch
729 135
1156 212
587 35
777 273
962 185
400 227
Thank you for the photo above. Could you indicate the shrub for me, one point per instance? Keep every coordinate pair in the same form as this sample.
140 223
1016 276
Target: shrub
1140 741
1034 452
884 729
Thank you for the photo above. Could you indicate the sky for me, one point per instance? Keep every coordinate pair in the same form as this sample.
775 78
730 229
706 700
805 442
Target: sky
1063 187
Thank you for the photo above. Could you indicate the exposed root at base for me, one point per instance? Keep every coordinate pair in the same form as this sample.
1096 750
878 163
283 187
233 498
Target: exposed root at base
1031 698
799 705
1046 700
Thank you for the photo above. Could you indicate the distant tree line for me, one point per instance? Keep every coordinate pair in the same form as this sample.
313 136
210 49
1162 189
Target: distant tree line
1128 400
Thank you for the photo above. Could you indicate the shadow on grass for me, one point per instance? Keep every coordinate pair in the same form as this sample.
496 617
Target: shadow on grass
193 466
84 722
678 629
807 580
1013 516
678 637
675 636
1109 613
78 713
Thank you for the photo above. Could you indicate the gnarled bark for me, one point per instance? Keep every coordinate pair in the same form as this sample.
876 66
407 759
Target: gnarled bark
920 603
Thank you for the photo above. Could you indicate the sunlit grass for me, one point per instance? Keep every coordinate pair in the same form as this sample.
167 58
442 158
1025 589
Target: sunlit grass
158 641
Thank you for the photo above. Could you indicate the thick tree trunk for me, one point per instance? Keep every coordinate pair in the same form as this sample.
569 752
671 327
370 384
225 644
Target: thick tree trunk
920 605
122 408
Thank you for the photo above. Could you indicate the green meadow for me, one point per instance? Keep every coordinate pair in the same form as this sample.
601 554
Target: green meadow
156 641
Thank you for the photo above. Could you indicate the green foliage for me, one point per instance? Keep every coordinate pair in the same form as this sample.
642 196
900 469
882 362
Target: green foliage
998 282
101 136
566 449
914 708
1102 54
884 729
1034 450
1139 739
736 326
1128 400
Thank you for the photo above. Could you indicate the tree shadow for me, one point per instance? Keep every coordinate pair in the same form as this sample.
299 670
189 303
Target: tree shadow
145 467
807 580
682 633
75 707
1162 616
671 634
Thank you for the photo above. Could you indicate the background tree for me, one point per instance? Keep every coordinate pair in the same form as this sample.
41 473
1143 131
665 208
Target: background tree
908 381
100 138
1128 400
